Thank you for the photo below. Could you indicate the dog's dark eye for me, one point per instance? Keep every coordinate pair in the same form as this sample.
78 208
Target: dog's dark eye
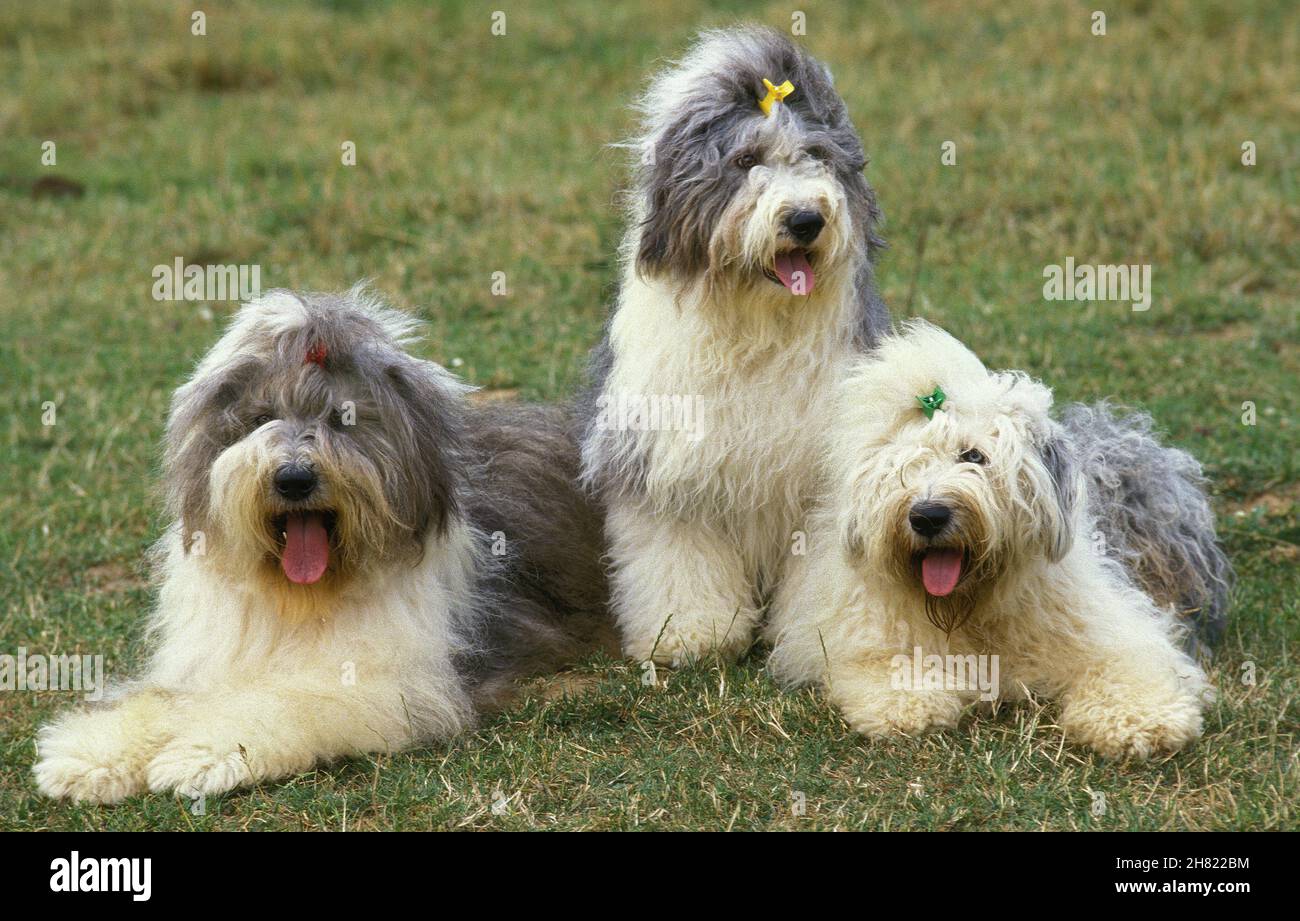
746 161
819 153
261 420
973 456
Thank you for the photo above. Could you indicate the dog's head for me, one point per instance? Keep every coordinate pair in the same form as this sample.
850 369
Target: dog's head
950 503
310 444
771 205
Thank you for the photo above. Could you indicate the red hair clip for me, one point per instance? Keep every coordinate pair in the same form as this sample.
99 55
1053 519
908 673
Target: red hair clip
316 355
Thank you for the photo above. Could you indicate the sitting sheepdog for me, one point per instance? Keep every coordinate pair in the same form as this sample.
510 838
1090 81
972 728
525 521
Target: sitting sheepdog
956 538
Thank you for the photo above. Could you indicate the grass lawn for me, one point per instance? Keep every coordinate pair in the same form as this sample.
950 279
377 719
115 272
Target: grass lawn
479 154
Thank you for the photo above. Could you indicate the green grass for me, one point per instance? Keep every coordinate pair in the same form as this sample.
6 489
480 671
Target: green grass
479 154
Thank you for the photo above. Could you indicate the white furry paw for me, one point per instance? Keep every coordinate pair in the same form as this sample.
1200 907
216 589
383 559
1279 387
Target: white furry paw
91 757
72 777
1132 729
191 768
685 641
909 713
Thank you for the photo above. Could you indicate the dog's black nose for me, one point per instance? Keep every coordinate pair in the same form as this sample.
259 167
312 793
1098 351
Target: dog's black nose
805 225
294 481
929 518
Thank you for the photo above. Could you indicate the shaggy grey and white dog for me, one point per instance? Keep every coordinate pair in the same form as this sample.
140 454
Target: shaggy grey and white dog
358 561
747 287
952 559
747 283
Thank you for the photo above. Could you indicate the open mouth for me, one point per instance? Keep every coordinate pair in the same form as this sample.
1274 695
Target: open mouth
941 569
304 543
793 270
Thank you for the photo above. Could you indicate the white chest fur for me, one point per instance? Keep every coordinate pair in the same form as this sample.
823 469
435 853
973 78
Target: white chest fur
758 382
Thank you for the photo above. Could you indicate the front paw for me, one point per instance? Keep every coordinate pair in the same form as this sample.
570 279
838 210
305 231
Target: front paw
85 780
686 639
899 712
194 768
1132 728
96 757
671 650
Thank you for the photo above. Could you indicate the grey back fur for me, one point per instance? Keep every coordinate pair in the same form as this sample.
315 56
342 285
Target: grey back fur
545 593
1150 504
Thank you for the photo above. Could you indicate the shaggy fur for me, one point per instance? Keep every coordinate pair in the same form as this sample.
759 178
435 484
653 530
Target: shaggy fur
1150 505
436 596
549 593
1033 588
700 521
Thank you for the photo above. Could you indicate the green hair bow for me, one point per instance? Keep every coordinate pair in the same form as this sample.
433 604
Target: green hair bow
931 402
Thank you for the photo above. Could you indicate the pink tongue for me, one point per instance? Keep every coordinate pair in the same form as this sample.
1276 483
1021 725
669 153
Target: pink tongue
795 272
940 570
306 548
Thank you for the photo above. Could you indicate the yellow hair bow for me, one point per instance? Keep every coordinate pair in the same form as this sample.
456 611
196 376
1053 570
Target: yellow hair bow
774 95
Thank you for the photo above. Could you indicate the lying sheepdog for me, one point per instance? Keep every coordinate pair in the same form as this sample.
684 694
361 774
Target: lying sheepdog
957 527
358 561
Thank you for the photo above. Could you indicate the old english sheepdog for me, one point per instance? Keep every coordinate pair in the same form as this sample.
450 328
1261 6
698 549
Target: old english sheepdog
359 561
957 527
747 282
747 288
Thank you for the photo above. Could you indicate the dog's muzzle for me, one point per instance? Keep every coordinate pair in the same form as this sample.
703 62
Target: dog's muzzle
305 533
793 268
805 226
929 518
295 482
941 567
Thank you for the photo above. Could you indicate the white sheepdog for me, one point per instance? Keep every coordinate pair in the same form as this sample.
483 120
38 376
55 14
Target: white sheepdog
955 544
